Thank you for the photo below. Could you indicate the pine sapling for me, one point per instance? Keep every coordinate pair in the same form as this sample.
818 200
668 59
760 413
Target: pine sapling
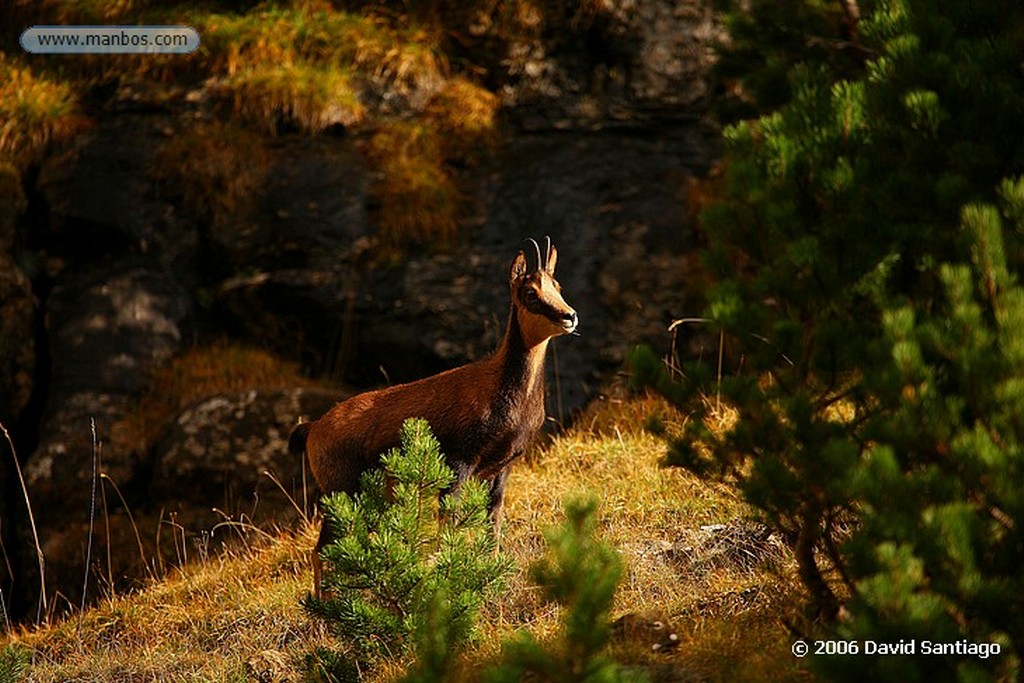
401 544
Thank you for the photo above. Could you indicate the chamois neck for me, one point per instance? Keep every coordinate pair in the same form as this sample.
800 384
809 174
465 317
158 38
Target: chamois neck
521 360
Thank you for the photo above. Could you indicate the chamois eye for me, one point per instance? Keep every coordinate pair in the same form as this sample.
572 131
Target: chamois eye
530 295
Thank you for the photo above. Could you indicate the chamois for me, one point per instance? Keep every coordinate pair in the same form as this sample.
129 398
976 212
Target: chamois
483 414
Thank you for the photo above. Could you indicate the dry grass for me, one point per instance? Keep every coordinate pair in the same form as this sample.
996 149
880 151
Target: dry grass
389 56
237 617
308 97
215 166
419 202
72 12
34 112
728 603
465 118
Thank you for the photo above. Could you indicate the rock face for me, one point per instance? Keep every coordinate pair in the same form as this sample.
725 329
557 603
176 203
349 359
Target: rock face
17 309
108 326
613 64
603 109
17 343
17 353
613 203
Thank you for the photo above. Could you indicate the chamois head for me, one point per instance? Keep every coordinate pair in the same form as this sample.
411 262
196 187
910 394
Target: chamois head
536 295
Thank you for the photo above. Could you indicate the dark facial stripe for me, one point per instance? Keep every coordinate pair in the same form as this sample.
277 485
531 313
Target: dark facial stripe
541 307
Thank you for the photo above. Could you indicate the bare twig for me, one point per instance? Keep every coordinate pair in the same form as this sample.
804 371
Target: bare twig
3 608
92 518
35 532
135 528
3 602
302 513
718 385
305 490
558 386
240 526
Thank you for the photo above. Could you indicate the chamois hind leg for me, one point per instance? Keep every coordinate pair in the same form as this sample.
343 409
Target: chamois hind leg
318 564
496 503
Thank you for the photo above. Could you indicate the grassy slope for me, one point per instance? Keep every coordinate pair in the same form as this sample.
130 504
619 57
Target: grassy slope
237 617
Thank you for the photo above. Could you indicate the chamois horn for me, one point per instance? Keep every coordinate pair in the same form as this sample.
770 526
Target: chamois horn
539 264
543 255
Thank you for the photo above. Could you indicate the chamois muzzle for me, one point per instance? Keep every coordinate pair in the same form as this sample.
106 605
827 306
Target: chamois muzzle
569 322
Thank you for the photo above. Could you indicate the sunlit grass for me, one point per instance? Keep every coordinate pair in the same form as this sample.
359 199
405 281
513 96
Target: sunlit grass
34 112
226 617
419 202
393 56
730 615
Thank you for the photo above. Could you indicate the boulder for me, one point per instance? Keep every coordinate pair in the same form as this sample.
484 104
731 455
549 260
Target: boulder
230 452
108 324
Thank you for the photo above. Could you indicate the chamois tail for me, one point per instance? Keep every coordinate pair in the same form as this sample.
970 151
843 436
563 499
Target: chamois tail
297 439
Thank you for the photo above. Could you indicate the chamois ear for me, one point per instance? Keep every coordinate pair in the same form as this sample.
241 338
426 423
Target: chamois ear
518 269
552 260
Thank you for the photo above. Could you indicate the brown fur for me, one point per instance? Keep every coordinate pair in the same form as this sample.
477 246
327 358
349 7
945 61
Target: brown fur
483 414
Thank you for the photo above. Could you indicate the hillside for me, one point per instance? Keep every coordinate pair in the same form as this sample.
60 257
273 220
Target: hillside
689 550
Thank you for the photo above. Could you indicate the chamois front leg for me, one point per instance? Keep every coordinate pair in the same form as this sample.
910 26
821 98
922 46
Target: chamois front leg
496 496
463 471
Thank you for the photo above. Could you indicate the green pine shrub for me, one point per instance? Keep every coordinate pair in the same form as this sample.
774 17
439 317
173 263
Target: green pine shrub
767 37
869 293
15 662
436 645
399 547
938 553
